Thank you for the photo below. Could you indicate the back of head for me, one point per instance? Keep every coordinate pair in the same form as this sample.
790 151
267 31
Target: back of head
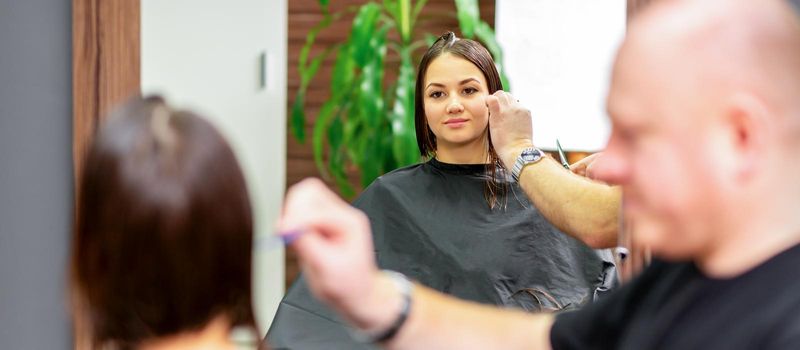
164 229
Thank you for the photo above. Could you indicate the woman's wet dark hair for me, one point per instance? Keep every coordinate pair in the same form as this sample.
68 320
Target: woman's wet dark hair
164 230
475 53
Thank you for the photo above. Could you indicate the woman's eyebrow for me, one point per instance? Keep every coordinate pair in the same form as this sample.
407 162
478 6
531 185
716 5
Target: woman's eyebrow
468 80
434 84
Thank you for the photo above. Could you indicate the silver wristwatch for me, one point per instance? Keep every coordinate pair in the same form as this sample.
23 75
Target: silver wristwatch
529 155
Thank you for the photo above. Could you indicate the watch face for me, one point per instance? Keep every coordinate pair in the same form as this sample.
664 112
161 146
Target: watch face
531 155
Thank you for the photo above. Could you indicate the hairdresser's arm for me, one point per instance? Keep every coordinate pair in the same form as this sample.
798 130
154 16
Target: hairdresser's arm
441 322
581 207
336 255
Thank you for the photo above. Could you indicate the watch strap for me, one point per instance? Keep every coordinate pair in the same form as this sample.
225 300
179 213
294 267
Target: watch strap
406 288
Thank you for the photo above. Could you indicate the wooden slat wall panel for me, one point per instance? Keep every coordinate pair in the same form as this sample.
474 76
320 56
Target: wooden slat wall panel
105 71
105 64
437 17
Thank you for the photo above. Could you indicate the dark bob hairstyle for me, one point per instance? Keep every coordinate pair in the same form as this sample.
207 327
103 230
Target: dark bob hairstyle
164 229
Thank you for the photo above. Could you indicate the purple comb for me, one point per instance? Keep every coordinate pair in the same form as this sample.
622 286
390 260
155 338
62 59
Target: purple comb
290 236
278 240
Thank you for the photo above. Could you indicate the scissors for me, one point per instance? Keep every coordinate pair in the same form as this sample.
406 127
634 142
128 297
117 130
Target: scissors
561 155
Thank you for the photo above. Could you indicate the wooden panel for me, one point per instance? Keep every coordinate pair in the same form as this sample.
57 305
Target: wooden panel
105 71
437 17
105 64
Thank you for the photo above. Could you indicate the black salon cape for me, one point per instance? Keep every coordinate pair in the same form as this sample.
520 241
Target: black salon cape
431 221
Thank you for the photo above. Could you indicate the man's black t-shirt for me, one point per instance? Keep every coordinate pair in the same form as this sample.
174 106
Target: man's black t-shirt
674 306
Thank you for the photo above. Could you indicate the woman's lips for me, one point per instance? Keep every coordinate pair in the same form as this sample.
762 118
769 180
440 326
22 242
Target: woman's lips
456 122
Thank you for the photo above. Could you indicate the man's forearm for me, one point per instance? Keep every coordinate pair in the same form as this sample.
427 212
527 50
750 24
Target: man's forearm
582 208
441 322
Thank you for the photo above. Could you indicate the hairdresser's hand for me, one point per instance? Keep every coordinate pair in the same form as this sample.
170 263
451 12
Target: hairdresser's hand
510 126
585 166
336 255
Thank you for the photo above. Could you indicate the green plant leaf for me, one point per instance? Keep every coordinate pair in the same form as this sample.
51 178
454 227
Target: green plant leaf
343 71
404 20
318 136
311 37
338 170
468 15
371 162
298 124
307 72
336 158
364 25
404 147
345 188
352 129
310 71
298 119
371 86
335 134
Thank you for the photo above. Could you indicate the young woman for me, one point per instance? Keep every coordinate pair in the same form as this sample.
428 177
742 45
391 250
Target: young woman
161 254
456 222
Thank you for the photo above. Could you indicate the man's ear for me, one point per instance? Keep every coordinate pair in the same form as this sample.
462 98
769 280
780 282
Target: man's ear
747 122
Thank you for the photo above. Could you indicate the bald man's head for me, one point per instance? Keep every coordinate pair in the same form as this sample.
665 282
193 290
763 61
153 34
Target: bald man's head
705 104
723 45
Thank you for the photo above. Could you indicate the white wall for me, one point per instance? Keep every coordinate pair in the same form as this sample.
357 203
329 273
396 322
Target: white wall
558 55
204 55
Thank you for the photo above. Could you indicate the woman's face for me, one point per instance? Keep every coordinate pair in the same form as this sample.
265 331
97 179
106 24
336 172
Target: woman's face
454 101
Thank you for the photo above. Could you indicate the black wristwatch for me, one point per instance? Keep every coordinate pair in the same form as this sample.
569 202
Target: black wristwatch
528 156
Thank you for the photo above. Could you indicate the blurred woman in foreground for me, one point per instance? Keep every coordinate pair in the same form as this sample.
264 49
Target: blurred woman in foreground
161 254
